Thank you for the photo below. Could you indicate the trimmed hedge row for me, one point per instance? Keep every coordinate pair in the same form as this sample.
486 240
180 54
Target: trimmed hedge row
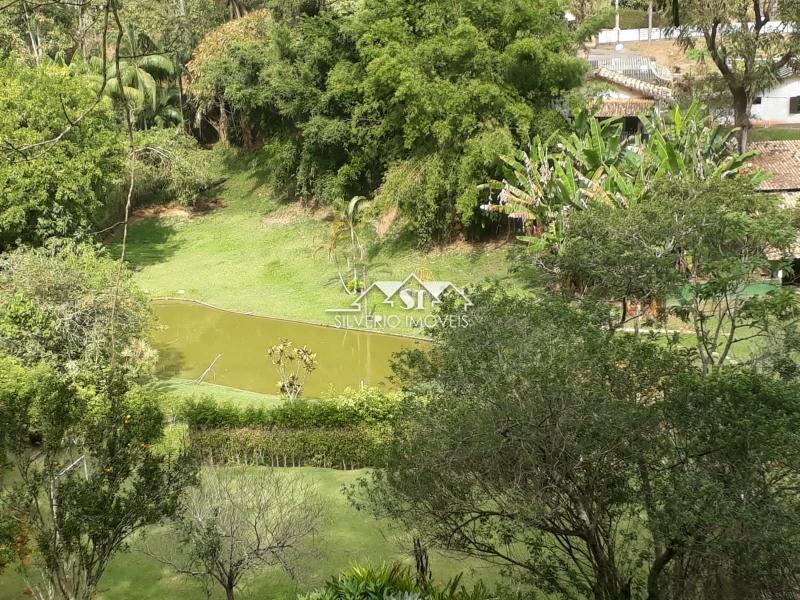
338 448
352 408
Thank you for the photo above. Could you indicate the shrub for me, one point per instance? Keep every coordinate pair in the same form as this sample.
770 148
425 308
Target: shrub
342 448
53 190
169 167
351 408
390 581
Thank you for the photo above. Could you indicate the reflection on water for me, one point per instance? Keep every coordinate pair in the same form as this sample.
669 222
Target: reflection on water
190 336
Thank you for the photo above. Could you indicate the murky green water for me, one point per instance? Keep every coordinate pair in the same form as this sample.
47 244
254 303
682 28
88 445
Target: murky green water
190 336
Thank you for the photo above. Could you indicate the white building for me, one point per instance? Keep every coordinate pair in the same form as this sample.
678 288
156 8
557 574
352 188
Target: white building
780 104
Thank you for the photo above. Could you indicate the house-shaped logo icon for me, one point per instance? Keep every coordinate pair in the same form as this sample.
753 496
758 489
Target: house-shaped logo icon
412 293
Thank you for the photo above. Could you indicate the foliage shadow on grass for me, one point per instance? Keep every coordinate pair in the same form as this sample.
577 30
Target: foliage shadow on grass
154 243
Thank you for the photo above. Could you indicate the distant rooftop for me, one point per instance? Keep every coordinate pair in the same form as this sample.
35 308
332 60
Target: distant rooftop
652 90
632 65
781 159
624 107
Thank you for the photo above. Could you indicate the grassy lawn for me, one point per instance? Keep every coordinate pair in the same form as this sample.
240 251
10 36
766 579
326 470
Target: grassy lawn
347 537
773 134
183 388
252 254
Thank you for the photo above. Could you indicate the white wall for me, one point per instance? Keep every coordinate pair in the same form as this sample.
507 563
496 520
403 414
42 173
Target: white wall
775 102
610 36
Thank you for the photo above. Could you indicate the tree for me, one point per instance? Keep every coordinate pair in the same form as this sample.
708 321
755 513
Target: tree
727 505
404 103
65 190
90 474
578 459
144 82
695 248
512 451
72 306
239 521
748 42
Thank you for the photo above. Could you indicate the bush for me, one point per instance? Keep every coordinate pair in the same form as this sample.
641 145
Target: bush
390 581
54 190
342 448
351 408
169 167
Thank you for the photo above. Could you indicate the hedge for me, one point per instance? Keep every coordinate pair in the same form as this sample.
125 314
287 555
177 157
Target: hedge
338 448
351 408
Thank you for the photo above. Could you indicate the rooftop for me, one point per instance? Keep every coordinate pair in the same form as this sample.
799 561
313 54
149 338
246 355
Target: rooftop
781 159
624 107
652 90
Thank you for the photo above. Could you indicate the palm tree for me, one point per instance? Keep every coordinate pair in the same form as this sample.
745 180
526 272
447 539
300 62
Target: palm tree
346 228
167 112
142 68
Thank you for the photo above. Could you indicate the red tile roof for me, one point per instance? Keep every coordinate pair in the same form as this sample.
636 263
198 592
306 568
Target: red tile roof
624 107
651 90
781 159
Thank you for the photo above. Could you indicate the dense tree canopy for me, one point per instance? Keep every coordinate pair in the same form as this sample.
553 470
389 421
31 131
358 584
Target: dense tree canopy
55 189
410 102
594 464
72 308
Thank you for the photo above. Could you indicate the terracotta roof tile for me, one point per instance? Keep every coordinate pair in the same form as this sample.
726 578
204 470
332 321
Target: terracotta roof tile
782 160
624 107
651 90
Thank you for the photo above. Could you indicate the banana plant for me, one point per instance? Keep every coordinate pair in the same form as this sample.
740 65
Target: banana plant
534 184
594 164
689 145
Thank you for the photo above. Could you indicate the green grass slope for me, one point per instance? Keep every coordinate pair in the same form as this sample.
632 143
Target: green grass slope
252 254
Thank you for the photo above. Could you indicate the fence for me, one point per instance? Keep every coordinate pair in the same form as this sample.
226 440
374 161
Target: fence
609 36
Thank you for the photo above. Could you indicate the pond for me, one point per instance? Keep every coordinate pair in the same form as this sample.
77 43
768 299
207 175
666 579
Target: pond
190 336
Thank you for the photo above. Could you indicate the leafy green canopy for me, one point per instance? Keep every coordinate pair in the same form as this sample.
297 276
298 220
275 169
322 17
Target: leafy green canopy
592 463
65 306
80 434
89 472
408 101
62 189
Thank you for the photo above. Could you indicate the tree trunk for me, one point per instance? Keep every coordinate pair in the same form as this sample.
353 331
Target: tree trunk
229 592
741 115
179 81
658 566
223 124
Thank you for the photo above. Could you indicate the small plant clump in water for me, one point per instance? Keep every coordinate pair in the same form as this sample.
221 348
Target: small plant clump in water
293 363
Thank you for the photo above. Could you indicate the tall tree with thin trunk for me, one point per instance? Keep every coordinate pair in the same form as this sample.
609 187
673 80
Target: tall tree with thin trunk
749 42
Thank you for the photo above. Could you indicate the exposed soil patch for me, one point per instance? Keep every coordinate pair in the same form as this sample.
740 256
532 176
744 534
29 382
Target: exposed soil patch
387 219
462 245
180 211
668 54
